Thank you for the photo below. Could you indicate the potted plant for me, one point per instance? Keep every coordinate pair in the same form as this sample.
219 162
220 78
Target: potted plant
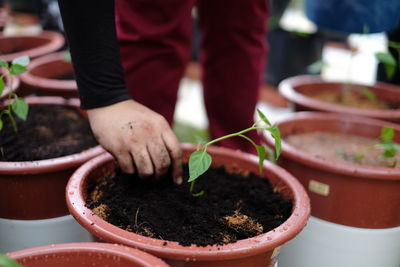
259 250
354 206
312 93
12 47
32 181
50 75
81 255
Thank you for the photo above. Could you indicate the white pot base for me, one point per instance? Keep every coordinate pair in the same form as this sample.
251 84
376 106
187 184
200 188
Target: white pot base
21 234
322 243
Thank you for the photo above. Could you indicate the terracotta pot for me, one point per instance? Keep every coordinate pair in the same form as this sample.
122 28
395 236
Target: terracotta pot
257 251
15 85
35 189
42 74
341 192
295 89
30 45
85 255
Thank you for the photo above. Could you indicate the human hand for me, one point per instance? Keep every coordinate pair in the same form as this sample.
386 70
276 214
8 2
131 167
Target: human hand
139 138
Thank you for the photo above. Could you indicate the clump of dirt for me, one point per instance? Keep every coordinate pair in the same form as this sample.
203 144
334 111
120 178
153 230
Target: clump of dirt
241 222
233 207
50 131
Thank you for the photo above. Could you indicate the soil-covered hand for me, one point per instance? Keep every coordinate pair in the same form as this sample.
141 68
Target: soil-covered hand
139 138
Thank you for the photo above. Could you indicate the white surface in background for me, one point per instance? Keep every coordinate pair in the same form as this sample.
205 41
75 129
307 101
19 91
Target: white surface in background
190 107
325 244
294 19
21 234
358 67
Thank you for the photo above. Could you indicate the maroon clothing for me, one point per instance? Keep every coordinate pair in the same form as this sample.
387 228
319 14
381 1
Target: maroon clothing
155 45
155 39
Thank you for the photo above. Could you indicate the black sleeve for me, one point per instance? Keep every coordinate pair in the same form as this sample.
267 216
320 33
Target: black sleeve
90 30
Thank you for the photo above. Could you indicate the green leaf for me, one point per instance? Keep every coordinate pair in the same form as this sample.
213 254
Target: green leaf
389 62
3 63
67 56
199 194
1 124
393 44
369 94
20 108
276 134
263 117
387 134
22 61
199 140
389 153
2 85
199 162
316 67
7 262
17 69
302 34
261 157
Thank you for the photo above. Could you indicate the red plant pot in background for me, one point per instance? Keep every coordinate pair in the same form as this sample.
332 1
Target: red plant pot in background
43 76
12 47
85 255
295 90
256 251
32 190
341 192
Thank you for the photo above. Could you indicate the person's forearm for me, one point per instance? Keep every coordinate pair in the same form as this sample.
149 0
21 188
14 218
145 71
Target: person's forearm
91 34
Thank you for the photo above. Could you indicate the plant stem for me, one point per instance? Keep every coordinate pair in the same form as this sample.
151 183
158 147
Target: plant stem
13 123
248 139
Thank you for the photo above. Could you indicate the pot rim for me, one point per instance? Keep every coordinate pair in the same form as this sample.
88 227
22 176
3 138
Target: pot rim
53 164
116 250
359 171
56 41
287 89
38 81
242 248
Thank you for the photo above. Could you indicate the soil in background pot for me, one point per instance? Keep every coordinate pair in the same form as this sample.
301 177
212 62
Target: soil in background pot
342 147
233 207
352 98
50 131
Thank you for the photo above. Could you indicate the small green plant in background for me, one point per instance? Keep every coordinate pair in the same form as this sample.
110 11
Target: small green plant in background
16 106
386 143
388 60
200 160
7 262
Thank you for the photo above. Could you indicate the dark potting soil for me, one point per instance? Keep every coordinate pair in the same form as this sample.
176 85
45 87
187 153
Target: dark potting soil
233 207
50 131
66 77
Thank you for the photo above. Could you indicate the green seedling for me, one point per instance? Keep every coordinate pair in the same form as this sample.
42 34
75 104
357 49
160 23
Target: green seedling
200 160
388 60
369 94
356 158
386 143
7 262
16 106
